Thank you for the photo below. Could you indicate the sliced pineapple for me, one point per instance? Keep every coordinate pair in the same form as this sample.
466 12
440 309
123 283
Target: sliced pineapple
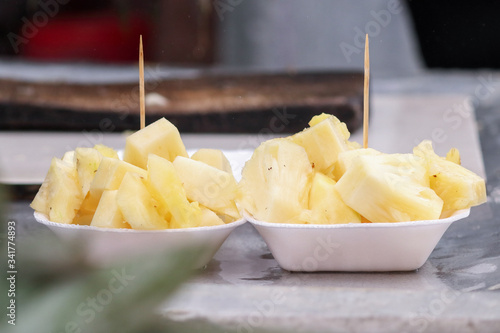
327 205
69 157
345 159
323 141
166 187
318 118
108 214
389 188
137 205
453 155
211 187
89 205
458 187
213 157
109 176
60 195
209 218
82 219
87 163
106 151
160 138
276 181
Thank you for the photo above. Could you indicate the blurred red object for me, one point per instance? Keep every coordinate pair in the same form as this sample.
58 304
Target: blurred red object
98 36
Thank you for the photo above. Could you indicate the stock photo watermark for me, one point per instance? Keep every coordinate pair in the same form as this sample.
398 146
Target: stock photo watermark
11 272
86 311
324 250
277 124
454 116
380 20
436 307
48 9
222 7
127 101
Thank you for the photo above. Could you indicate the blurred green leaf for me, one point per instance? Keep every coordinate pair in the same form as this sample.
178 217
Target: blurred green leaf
57 291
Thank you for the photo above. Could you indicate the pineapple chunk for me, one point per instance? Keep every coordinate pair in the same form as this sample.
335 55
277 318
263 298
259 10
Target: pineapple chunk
345 159
60 195
276 181
318 118
166 187
211 187
82 218
69 157
107 214
327 205
87 163
89 205
389 188
160 138
109 176
213 157
453 155
209 218
323 142
137 205
458 187
106 151
41 201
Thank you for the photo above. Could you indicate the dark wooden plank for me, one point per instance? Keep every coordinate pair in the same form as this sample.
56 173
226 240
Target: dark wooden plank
211 103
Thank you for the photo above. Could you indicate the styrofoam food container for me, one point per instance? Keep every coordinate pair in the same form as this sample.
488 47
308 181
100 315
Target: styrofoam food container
103 246
356 247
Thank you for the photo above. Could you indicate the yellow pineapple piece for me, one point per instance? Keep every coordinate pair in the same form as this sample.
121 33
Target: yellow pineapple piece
41 201
108 214
69 157
82 218
89 205
137 205
213 157
87 163
453 155
106 151
60 196
276 181
166 188
209 218
345 159
459 187
211 187
389 188
326 203
318 118
323 142
160 138
353 145
109 176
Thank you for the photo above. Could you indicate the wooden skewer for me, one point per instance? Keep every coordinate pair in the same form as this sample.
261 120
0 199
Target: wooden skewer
142 104
366 96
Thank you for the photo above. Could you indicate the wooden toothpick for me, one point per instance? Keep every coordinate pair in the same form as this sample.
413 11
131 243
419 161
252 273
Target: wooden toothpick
142 103
366 96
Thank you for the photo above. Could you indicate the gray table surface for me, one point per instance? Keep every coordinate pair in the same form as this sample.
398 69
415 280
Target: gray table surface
457 290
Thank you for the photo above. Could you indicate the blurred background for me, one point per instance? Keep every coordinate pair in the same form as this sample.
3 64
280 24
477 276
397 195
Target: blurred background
69 78
405 35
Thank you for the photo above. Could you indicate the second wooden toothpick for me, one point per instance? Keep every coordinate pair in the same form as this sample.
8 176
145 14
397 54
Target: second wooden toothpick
366 96
141 85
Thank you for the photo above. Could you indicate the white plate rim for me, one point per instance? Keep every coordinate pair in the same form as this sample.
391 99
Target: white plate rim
43 219
458 215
